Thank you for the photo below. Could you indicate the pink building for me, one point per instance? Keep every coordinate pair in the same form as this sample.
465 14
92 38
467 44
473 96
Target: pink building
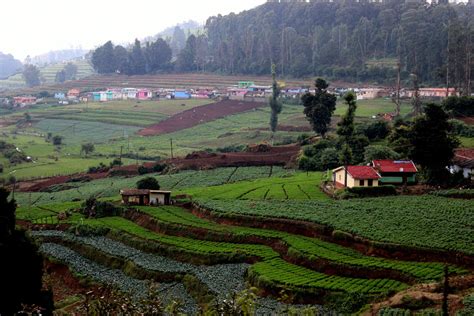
144 94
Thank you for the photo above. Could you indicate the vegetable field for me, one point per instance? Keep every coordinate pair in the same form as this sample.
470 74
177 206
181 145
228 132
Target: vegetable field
417 221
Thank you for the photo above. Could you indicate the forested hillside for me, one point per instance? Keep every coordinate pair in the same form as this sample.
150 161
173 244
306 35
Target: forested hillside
346 41
8 65
351 41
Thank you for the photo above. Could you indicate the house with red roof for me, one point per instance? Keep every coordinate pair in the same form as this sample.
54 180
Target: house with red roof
356 176
396 171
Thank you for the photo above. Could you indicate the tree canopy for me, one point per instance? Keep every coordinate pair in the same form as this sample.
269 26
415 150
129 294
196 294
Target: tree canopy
319 107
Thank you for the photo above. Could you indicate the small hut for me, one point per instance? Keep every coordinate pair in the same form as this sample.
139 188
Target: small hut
135 197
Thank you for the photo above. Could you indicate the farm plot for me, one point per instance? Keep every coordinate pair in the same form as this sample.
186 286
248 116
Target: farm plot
199 115
222 280
414 221
301 186
292 277
310 248
110 187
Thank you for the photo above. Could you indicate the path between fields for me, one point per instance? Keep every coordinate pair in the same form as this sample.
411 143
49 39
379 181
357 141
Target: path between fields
200 115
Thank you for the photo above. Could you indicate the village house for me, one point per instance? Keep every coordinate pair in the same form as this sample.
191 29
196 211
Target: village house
429 93
181 95
73 94
129 93
396 171
114 94
357 176
370 93
463 161
24 101
144 94
60 95
145 197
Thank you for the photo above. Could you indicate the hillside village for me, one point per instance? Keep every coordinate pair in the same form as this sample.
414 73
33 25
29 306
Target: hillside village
298 158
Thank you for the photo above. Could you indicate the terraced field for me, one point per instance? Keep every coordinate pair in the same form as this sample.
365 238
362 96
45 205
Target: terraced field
416 221
302 186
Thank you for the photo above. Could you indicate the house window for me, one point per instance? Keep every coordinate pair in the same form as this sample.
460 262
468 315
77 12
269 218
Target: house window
361 183
340 177
370 183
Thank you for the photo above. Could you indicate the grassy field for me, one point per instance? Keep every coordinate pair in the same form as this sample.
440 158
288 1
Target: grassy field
301 186
424 221
369 108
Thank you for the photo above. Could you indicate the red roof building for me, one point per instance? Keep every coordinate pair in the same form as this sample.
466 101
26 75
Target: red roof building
357 176
396 171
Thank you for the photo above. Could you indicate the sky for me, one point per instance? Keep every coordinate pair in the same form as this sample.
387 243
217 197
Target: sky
33 27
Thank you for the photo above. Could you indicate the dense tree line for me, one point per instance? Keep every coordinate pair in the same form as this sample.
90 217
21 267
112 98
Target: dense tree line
349 41
137 60
360 41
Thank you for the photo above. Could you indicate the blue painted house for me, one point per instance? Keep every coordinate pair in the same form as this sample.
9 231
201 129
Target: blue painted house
182 95
60 95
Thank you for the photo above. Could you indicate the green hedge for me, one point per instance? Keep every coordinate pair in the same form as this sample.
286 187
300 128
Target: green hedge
361 192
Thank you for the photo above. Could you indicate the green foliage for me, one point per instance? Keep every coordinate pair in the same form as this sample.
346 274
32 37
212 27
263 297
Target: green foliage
363 192
462 129
319 107
87 149
432 144
346 125
21 274
137 62
31 75
374 131
459 106
57 140
274 102
455 193
186 60
93 208
148 183
421 221
378 152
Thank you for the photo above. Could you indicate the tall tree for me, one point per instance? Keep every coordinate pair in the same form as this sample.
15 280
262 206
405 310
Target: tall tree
70 71
178 41
60 76
158 55
31 74
346 125
319 107
137 59
21 267
121 59
433 144
275 103
103 59
187 56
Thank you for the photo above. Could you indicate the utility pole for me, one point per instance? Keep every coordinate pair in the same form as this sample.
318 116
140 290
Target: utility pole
171 147
397 112
121 150
447 62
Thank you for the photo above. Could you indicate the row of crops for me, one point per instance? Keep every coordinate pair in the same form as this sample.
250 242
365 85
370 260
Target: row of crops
414 221
222 280
111 187
310 248
302 186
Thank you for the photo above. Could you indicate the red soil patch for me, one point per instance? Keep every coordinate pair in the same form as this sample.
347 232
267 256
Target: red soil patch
199 115
282 155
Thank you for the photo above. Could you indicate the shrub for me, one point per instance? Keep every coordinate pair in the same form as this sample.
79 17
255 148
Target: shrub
148 183
100 168
231 149
1 168
144 170
117 162
455 193
97 209
328 159
376 130
304 139
384 190
159 167
462 129
374 152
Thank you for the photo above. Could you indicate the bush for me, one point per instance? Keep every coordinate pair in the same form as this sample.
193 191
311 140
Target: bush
100 168
373 131
462 129
385 190
148 183
117 162
459 106
231 149
159 167
328 159
97 209
375 152
455 193
144 170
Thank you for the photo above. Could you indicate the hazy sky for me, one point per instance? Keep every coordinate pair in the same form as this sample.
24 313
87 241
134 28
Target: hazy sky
32 27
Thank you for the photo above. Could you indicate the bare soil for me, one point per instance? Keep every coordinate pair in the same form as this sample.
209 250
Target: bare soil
199 115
